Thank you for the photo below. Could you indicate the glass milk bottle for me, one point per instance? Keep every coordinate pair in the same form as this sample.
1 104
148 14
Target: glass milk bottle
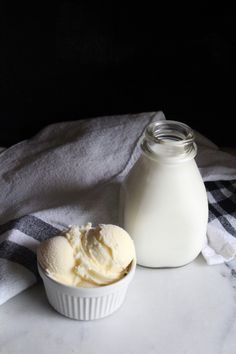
164 201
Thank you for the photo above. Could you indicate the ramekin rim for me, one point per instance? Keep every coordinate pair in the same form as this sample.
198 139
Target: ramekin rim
132 267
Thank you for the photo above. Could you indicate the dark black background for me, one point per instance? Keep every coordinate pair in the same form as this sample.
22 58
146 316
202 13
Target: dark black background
80 59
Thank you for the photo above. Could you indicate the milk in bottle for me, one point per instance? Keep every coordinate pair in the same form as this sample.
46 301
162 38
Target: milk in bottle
165 208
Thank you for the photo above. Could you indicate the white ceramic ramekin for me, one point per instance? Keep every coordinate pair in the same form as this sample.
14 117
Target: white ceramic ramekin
86 303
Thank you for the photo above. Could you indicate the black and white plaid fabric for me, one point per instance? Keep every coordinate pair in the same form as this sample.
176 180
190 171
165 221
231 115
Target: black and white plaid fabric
222 204
221 231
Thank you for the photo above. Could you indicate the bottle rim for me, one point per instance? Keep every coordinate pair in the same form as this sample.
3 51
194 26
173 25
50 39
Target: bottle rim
175 139
169 132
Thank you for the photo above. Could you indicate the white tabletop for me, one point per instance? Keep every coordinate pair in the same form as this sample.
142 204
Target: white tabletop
191 310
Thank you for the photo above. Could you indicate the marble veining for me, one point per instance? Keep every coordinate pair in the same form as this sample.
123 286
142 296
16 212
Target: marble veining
187 310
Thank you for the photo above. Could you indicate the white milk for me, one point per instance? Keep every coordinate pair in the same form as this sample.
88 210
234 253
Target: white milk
165 206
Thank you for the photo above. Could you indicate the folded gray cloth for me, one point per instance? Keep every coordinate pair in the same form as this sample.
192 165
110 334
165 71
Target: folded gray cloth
70 173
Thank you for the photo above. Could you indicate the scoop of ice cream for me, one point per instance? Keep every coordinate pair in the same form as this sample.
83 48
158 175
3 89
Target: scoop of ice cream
56 257
87 256
103 254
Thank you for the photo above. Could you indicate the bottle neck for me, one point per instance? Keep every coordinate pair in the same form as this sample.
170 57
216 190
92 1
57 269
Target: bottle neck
169 141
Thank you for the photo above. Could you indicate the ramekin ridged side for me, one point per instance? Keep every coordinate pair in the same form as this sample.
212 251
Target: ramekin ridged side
86 303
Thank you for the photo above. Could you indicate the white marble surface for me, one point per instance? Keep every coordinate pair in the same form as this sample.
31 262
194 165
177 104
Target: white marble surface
186 310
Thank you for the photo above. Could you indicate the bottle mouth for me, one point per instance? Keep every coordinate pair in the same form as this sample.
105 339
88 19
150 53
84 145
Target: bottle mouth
170 131
169 139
